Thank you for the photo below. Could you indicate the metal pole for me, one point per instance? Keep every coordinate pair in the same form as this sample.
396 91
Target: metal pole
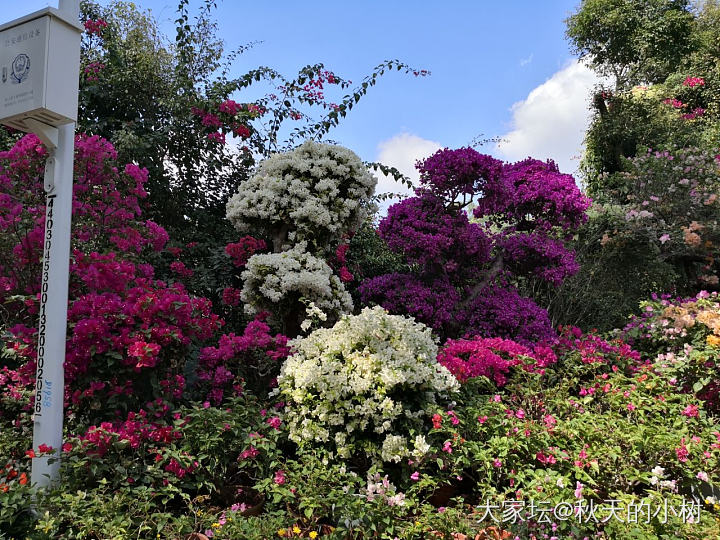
52 331
52 328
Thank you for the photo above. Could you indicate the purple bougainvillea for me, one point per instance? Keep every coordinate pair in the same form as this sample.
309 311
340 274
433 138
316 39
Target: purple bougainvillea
463 269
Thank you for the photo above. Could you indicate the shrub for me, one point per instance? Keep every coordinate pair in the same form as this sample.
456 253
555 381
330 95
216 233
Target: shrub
279 282
684 336
306 202
364 387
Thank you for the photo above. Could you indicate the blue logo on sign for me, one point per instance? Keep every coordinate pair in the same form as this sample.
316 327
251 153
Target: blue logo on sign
20 68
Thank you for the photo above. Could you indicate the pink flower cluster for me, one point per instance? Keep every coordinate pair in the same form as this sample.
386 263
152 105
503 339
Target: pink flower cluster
231 117
221 368
92 71
694 81
339 262
127 329
676 103
136 430
592 348
243 249
492 358
95 27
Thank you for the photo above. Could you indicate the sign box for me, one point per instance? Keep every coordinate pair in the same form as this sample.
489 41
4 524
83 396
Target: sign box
39 69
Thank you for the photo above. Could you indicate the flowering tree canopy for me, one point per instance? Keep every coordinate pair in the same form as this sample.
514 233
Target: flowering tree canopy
465 269
315 194
305 202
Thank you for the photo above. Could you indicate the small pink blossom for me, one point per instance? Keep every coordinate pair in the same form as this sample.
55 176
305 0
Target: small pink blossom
691 411
279 477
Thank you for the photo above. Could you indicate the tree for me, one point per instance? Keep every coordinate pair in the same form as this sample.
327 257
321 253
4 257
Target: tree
634 41
464 273
306 203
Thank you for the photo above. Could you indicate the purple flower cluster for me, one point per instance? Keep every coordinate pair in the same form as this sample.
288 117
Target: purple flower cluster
535 195
457 172
539 254
428 235
461 269
430 303
502 311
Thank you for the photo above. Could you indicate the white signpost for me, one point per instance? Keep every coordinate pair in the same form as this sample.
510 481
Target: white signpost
39 75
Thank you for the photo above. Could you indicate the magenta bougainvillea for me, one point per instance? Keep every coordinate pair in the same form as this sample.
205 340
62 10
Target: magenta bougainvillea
492 358
131 335
251 360
465 269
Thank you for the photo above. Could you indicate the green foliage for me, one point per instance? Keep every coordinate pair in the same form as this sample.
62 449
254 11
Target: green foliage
623 124
613 278
369 255
635 41
151 123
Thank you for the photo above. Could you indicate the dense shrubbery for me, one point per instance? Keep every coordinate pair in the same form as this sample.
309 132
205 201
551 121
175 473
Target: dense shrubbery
171 429
466 412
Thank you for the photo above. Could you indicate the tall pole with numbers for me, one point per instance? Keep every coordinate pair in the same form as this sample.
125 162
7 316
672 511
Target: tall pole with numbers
40 63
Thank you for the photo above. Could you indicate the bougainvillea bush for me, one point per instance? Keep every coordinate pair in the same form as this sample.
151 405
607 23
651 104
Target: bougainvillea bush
129 334
306 202
684 336
364 388
466 269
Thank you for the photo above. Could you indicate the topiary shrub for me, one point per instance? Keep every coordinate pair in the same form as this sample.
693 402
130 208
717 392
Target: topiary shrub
363 388
278 282
316 193
307 203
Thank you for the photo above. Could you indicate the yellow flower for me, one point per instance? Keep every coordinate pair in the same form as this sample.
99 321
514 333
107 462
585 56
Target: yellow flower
296 529
281 532
313 534
713 340
215 525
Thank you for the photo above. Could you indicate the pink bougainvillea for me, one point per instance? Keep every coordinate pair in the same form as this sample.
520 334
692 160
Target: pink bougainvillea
130 334
492 358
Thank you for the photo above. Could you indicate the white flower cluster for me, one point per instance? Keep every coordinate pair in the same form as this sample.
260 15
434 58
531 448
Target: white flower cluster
314 193
364 385
382 489
277 281
314 315
657 479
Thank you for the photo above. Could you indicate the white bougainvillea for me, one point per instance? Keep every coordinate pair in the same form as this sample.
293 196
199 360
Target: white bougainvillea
275 282
316 193
365 386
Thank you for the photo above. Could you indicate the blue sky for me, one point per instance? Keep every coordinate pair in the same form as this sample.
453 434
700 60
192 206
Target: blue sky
499 69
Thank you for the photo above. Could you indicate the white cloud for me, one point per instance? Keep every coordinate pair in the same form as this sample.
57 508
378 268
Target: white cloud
401 152
551 121
525 61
